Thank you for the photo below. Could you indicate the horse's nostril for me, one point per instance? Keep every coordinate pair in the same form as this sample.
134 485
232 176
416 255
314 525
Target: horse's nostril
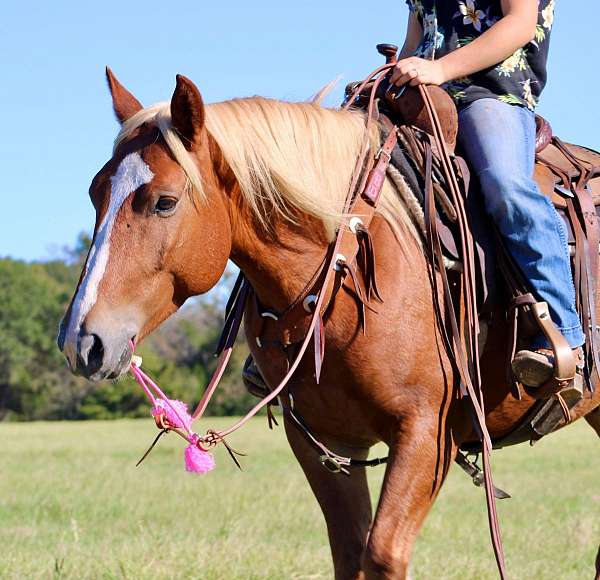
97 352
91 353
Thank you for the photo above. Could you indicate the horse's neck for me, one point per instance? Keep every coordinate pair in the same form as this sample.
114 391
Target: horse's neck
278 267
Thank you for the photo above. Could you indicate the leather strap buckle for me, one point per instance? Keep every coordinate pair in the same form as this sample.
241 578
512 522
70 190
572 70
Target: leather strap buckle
384 153
330 464
269 314
333 465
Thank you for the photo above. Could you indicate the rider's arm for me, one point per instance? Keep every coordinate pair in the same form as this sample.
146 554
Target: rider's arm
496 44
414 35
513 31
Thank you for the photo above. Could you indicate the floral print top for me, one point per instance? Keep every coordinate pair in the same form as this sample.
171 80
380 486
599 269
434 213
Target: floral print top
451 24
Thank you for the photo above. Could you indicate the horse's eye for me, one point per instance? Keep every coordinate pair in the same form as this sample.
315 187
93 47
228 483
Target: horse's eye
165 205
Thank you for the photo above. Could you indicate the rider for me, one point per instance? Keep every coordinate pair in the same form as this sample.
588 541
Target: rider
490 55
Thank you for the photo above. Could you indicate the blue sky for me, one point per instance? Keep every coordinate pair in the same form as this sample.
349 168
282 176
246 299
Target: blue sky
57 125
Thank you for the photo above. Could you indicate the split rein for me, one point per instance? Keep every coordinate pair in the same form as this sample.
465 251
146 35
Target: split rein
171 415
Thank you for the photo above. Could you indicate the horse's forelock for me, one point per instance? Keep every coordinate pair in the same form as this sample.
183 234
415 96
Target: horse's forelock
160 116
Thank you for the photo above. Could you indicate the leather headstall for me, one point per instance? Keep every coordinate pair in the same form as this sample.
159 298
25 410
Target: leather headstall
355 253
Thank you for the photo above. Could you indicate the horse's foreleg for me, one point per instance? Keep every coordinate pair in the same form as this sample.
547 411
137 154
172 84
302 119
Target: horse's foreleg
593 419
344 500
418 463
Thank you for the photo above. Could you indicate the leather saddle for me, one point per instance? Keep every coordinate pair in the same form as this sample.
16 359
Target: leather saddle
568 174
405 107
554 171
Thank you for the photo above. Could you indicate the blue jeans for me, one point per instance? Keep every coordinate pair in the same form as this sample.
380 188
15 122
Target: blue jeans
499 142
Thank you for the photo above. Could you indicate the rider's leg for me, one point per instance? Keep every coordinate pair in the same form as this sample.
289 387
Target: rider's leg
499 141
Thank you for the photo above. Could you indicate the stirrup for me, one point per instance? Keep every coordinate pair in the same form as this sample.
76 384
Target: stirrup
565 363
253 379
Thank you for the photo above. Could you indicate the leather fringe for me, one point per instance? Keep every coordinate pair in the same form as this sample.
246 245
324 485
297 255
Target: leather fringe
366 258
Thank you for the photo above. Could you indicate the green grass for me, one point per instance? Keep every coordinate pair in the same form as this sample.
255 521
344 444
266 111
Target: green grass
73 505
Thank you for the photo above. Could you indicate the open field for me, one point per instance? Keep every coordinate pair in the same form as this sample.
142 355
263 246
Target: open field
73 505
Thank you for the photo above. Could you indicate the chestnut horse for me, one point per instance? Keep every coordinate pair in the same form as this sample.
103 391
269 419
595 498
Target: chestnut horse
262 182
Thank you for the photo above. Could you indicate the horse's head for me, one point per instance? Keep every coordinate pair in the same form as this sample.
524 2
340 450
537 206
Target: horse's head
155 244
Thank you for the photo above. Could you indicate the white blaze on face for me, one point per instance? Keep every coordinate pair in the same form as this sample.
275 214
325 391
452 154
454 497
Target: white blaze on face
133 172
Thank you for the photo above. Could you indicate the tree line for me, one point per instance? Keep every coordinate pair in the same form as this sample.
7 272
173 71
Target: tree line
35 383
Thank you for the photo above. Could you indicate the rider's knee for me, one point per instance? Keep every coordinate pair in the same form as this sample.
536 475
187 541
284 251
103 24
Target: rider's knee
509 196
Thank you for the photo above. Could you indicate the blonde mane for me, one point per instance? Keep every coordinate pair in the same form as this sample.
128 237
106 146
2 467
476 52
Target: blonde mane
287 157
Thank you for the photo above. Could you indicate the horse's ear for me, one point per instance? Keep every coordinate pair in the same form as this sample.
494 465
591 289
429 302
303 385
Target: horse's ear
187 111
125 104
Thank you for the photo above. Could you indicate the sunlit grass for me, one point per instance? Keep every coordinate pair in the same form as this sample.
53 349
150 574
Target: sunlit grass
73 505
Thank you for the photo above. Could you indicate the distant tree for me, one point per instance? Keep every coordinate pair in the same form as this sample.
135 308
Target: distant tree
35 382
77 255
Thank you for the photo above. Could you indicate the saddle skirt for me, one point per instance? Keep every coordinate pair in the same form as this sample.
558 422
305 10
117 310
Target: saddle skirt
555 172
569 175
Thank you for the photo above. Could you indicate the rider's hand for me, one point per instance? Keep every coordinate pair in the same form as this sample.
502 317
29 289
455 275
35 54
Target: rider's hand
418 71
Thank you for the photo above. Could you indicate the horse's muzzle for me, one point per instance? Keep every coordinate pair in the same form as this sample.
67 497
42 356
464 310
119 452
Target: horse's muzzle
97 357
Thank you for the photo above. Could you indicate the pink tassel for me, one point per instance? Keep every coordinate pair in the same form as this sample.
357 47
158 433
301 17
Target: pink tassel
176 412
198 461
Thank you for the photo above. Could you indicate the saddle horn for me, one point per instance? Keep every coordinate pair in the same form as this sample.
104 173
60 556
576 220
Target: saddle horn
390 51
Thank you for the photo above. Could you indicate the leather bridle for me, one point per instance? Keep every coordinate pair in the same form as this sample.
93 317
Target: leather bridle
338 265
